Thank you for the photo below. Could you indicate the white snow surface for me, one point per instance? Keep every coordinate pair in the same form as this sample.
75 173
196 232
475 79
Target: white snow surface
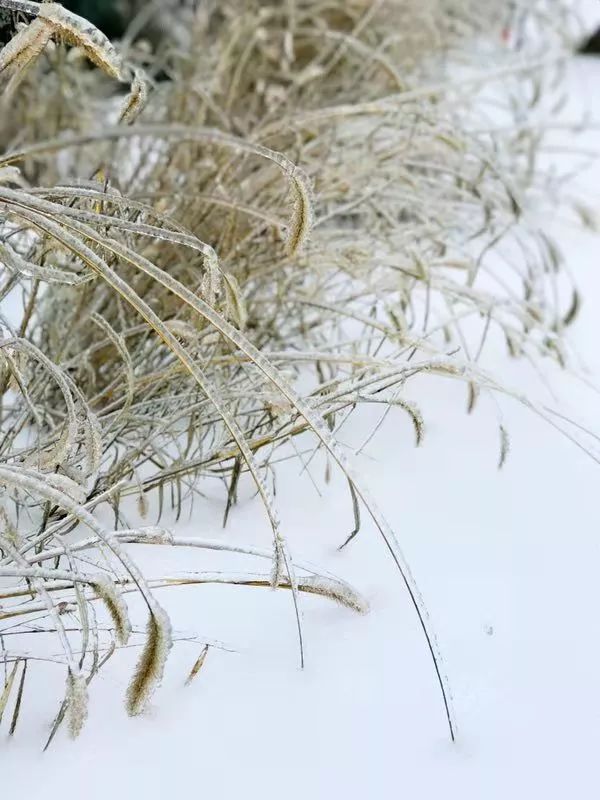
507 562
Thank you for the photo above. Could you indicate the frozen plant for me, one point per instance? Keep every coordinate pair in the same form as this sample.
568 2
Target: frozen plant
309 211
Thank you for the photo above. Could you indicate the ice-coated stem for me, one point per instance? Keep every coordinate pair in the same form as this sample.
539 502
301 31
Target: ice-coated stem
23 6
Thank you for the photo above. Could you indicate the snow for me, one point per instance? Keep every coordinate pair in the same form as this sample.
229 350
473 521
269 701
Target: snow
507 562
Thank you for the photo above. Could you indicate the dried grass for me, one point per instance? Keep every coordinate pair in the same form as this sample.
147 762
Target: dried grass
312 198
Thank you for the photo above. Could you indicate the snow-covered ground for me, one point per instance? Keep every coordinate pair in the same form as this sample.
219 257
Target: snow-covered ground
508 563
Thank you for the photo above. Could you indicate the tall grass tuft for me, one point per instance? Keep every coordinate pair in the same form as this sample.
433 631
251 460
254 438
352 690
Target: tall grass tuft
234 236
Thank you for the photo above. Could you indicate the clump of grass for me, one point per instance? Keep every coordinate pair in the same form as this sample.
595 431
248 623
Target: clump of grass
300 219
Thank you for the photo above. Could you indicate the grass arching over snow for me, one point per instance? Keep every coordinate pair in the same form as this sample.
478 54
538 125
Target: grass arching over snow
297 221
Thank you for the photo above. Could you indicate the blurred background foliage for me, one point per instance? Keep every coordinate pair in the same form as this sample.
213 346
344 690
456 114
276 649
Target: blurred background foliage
111 16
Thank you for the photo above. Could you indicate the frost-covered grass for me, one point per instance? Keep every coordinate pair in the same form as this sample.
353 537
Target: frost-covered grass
322 205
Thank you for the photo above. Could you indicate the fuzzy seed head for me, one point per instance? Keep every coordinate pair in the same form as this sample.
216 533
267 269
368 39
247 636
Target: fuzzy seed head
108 592
149 671
77 703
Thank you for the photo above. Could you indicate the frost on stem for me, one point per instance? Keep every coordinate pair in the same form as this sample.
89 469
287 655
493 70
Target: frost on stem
52 21
136 99
77 31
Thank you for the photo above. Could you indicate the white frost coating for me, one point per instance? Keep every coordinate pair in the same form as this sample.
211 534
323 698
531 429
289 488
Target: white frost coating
77 703
29 480
314 419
